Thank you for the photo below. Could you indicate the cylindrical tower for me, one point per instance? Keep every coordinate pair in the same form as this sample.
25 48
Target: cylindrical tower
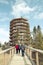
19 31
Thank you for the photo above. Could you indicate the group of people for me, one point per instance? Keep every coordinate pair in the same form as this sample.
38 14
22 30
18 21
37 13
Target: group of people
19 48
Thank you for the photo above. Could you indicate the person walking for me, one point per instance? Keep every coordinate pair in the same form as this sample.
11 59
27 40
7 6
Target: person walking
17 47
22 49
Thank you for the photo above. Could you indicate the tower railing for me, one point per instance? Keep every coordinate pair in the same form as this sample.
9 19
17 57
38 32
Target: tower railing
35 55
6 56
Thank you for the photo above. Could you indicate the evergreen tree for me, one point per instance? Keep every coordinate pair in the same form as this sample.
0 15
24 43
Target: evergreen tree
34 30
34 36
0 45
37 37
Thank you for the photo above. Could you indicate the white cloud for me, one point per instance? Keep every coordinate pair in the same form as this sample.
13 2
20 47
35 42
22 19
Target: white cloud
4 2
42 31
4 35
19 1
21 8
39 16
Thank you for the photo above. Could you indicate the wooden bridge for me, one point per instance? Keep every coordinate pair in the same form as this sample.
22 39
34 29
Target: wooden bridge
32 57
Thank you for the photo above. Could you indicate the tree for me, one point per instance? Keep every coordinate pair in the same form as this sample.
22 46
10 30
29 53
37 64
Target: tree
0 45
34 29
37 37
34 37
5 46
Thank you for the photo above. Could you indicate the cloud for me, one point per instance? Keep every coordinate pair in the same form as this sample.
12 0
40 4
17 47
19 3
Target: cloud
4 2
19 1
42 31
39 16
4 35
21 8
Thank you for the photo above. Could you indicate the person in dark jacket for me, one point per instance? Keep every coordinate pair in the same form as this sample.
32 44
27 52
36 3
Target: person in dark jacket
23 49
19 48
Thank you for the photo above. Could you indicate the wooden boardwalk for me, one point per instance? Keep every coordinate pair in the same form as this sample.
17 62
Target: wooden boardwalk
19 60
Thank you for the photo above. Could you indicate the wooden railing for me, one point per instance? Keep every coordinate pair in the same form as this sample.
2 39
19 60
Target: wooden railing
35 55
6 56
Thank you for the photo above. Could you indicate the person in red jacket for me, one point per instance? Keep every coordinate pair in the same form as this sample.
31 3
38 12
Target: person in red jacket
17 47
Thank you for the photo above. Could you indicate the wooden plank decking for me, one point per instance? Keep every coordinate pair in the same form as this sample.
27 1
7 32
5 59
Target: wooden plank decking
19 60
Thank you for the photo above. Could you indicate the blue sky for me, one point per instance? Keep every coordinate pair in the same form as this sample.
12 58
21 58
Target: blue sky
10 9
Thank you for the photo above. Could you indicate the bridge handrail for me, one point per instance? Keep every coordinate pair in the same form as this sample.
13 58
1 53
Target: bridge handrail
37 50
6 50
37 58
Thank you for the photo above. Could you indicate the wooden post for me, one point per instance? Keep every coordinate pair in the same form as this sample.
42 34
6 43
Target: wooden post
11 53
30 54
37 59
26 50
4 58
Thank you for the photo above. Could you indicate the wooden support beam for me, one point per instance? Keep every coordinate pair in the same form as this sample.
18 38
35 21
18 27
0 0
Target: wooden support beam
37 59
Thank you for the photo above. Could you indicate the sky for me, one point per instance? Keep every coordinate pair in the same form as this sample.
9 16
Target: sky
32 10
